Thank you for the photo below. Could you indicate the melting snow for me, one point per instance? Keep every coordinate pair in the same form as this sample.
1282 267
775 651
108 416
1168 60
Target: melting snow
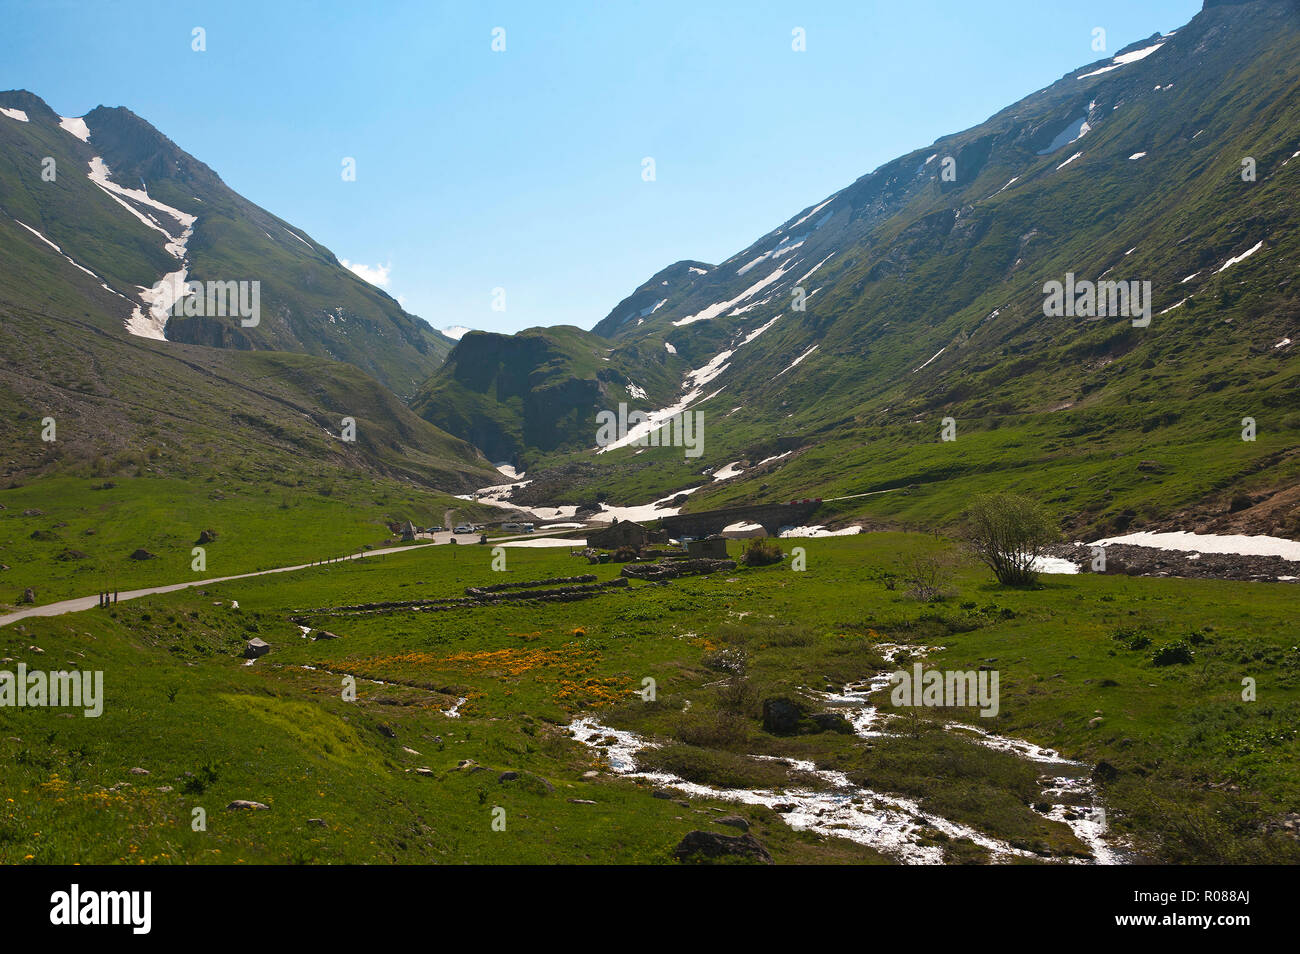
77 127
1239 544
727 472
1242 257
1126 58
936 354
1137 155
800 358
669 347
1071 133
718 308
17 114
1068 161
819 531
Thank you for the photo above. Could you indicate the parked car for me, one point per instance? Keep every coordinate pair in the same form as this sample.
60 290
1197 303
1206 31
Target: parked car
463 529
438 529
529 528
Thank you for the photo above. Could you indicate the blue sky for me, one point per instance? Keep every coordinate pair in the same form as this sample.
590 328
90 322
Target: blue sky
522 169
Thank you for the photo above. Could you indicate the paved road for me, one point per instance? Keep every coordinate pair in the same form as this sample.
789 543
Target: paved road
91 602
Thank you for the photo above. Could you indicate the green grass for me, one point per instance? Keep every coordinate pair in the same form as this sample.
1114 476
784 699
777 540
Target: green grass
1199 771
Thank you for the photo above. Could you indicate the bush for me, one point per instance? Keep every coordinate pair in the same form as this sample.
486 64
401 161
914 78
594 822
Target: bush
625 554
761 552
928 575
1172 654
1009 532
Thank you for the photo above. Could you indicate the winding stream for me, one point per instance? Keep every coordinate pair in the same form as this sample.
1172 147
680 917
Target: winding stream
892 824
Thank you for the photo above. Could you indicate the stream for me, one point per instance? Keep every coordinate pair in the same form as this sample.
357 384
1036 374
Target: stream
891 824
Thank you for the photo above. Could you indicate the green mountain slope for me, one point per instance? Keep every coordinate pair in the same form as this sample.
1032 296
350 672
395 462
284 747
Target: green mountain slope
310 303
538 389
924 299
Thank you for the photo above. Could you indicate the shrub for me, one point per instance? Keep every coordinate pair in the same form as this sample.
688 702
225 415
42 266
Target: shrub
928 576
761 552
1009 532
1172 654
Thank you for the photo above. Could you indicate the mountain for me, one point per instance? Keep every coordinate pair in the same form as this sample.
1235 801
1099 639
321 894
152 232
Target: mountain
93 212
924 297
128 209
538 389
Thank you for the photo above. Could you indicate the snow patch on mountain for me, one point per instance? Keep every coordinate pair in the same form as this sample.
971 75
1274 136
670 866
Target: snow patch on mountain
17 114
176 244
1241 258
456 332
63 253
796 361
1075 131
76 126
668 346
719 307
1126 58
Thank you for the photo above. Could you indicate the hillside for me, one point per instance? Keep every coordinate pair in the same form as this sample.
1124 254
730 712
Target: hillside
924 298
126 207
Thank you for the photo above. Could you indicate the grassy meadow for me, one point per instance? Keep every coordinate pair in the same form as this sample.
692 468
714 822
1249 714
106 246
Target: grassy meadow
410 773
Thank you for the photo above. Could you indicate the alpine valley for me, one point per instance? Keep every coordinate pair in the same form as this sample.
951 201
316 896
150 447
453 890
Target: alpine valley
241 517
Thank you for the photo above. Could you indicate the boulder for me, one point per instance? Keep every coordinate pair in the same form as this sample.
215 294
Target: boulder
143 554
256 649
833 722
240 804
733 821
29 596
781 716
698 845
207 536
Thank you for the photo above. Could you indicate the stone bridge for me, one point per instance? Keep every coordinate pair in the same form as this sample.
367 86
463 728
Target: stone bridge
771 517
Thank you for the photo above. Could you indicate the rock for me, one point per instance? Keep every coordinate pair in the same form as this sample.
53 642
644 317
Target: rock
593 773
581 801
29 596
319 822
507 776
424 771
1103 771
661 793
783 808
143 554
710 844
781 716
1094 722
386 730
1286 824
256 648
833 722
207 536
734 821
139 771
409 751
240 804
324 634
33 512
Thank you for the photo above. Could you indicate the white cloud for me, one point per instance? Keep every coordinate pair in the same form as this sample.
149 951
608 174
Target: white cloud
375 274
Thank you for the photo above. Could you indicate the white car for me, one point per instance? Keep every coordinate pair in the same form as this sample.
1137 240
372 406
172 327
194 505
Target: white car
463 529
